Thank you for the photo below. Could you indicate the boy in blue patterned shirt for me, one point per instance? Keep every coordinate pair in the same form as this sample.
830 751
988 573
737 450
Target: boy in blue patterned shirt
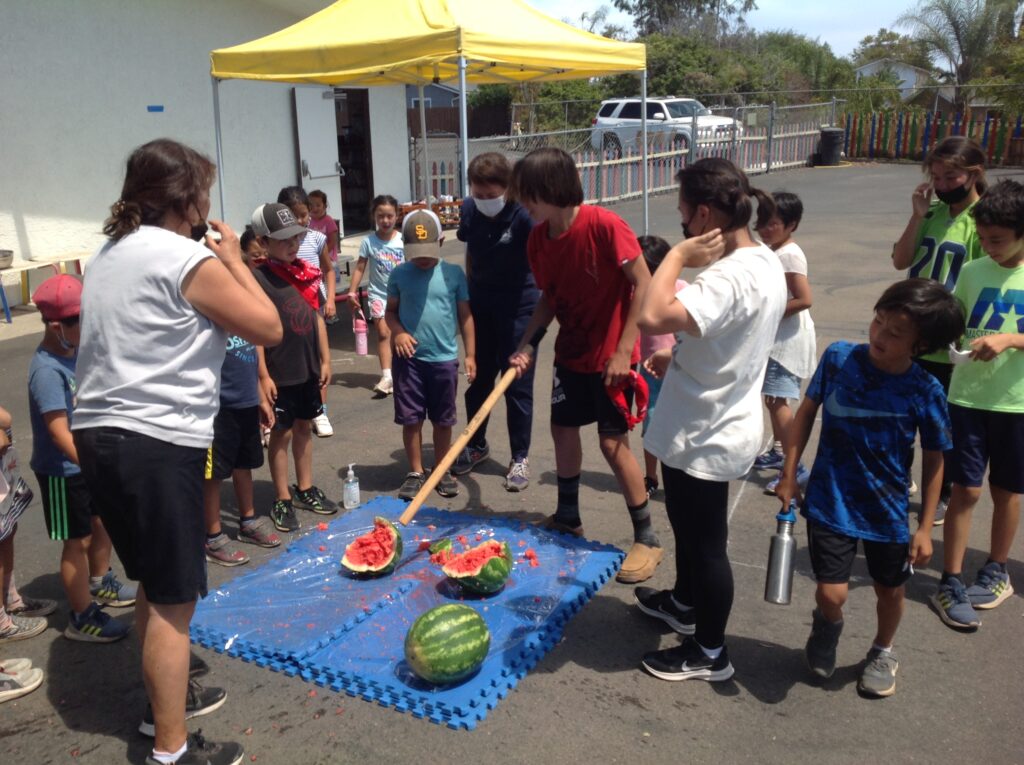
875 400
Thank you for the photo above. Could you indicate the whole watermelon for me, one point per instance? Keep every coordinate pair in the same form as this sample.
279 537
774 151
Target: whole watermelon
375 553
447 644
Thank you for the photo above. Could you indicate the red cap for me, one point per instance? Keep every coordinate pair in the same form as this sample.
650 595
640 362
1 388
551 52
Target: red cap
59 297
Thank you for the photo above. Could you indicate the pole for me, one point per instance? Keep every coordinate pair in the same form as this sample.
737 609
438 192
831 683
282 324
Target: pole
220 149
643 148
463 127
771 135
425 170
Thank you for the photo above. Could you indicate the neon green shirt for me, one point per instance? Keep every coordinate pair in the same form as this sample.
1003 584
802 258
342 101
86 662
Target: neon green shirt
993 298
944 245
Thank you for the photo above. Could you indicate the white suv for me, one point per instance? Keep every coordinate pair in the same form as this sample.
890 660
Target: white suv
617 125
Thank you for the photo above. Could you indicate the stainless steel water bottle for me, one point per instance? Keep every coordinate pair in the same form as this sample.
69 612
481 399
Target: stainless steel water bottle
778 584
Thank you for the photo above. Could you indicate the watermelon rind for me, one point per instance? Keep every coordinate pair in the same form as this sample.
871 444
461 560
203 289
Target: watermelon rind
387 566
491 576
447 644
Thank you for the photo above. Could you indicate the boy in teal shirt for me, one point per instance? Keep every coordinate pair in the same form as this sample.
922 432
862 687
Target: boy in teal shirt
986 407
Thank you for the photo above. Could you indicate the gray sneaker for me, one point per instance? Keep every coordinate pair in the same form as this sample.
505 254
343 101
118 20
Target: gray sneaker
447 486
878 677
22 628
469 458
518 477
411 486
821 645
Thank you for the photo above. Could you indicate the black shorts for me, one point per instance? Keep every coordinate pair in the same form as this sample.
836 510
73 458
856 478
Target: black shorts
832 557
580 398
150 496
297 402
237 444
987 439
67 506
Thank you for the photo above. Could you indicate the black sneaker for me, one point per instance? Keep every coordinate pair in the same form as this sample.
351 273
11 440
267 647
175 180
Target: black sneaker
688 662
196 666
447 486
199 701
313 499
203 752
821 645
658 603
411 486
650 486
283 515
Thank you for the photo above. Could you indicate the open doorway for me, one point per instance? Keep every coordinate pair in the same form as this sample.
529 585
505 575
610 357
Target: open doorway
353 114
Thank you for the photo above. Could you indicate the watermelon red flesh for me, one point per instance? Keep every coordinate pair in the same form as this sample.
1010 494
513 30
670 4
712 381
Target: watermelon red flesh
377 552
447 643
482 569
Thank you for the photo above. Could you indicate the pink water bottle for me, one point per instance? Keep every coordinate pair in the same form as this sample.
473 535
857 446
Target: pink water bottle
359 330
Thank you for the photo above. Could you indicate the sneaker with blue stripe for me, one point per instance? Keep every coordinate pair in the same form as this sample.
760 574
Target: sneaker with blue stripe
95 626
991 587
111 591
770 460
953 606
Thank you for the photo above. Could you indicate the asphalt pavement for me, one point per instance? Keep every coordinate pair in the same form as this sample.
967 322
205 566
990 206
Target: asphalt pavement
959 696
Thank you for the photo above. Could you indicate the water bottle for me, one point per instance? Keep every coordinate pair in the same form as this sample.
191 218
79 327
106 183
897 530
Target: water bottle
359 330
350 496
778 584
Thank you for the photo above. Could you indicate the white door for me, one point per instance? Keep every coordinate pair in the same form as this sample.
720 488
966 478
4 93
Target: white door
317 129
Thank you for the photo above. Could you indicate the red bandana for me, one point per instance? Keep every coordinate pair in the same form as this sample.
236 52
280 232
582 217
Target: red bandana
302 276
617 393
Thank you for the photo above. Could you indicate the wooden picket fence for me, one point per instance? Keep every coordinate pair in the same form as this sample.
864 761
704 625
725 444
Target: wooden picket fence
898 135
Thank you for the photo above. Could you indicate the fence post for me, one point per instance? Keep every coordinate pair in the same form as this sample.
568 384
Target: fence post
771 135
600 174
735 136
832 122
694 140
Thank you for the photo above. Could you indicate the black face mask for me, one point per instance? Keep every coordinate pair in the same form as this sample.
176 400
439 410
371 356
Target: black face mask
953 196
199 231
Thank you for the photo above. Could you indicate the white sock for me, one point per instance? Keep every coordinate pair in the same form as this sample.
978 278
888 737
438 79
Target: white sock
170 757
711 653
95 580
679 605
386 373
882 648
777 447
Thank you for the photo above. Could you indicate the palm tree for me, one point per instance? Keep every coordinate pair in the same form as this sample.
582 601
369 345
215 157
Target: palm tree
958 33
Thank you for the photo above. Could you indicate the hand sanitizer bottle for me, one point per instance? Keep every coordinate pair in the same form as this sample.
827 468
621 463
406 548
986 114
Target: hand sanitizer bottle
350 497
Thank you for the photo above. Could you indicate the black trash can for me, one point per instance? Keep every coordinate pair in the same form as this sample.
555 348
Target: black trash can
831 145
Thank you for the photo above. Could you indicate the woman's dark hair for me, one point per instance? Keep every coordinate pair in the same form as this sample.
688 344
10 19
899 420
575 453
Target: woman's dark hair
654 249
383 199
293 195
788 209
962 153
547 175
248 237
161 177
317 194
1003 206
934 312
722 186
490 167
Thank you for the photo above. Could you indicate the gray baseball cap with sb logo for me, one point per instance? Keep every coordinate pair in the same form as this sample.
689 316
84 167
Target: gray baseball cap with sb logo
421 235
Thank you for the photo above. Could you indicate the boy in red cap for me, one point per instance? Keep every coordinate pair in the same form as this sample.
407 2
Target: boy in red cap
71 516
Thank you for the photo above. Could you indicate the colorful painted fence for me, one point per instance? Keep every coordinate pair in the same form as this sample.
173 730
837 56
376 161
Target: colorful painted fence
899 135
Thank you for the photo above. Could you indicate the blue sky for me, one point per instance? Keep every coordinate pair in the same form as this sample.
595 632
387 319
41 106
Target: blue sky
841 26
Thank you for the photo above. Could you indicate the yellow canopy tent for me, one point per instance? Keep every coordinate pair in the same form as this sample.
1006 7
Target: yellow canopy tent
387 42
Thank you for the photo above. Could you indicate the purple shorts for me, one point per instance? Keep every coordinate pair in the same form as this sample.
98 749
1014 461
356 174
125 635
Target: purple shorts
425 390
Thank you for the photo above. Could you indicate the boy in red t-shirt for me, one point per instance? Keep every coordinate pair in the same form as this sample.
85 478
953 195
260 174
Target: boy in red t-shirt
587 262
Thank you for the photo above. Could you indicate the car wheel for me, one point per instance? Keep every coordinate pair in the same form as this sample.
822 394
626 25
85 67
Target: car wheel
612 145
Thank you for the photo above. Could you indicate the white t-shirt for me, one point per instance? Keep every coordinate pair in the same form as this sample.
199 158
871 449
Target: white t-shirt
795 346
709 421
148 362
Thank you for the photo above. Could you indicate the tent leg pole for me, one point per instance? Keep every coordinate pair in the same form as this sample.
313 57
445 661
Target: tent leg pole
643 148
220 147
463 127
425 170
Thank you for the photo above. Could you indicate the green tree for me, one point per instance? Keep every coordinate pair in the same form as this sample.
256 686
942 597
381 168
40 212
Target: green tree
889 44
961 34
651 16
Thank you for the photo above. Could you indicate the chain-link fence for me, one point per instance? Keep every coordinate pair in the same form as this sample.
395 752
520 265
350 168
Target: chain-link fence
758 139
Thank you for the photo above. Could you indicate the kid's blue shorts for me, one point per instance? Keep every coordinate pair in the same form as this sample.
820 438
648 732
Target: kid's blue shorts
987 439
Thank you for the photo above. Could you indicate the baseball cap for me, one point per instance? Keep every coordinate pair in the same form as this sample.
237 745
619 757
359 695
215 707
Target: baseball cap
276 221
59 297
421 235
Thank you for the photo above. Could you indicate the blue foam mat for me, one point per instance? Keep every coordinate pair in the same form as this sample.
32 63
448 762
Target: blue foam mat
301 614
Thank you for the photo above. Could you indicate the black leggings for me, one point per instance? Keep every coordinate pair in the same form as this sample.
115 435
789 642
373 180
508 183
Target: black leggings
698 511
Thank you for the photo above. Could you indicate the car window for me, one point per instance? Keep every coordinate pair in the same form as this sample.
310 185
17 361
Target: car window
654 111
702 111
680 109
630 111
607 109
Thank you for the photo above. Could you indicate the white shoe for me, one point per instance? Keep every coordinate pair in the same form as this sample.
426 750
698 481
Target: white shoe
322 426
385 386
913 488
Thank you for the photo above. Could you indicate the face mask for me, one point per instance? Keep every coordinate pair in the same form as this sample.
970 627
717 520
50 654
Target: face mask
199 231
952 196
64 344
490 207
